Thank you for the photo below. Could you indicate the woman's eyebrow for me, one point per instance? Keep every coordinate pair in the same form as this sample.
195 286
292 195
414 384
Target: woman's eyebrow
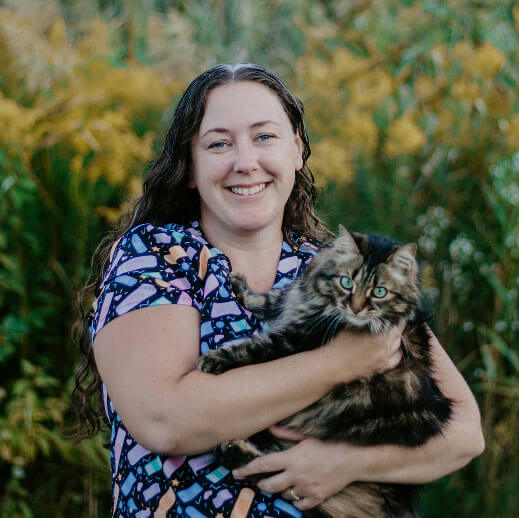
216 130
263 123
225 130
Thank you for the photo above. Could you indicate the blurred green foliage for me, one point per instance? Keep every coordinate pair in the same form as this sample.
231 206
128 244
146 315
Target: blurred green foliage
413 110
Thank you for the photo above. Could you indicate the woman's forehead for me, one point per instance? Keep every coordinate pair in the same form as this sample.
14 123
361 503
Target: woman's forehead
245 102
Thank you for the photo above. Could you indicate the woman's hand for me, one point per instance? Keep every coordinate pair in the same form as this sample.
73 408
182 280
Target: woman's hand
312 469
364 354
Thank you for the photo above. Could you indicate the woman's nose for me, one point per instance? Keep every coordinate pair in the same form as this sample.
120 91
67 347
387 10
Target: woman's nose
245 158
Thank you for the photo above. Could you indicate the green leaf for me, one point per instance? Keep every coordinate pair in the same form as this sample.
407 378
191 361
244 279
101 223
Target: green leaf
489 363
511 356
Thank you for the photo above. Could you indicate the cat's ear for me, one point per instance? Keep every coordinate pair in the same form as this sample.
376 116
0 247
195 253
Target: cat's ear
347 239
404 257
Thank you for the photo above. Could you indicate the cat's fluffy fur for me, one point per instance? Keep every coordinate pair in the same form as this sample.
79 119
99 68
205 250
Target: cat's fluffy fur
362 283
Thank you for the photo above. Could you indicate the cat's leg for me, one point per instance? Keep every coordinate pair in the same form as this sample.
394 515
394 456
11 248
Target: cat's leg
264 305
256 349
237 453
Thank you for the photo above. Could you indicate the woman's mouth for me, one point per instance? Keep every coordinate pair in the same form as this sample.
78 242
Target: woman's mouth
247 191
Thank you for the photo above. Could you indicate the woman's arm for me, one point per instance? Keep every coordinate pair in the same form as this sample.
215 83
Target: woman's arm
147 359
316 470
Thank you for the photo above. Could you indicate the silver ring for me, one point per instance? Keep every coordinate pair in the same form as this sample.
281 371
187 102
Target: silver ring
293 494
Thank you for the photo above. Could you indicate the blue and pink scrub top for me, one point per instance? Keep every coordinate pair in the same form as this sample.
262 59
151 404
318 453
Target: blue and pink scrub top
174 264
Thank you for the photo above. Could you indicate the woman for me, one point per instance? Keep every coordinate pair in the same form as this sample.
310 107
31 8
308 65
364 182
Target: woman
231 187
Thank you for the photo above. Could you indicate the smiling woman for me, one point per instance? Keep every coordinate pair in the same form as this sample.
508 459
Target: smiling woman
244 162
231 191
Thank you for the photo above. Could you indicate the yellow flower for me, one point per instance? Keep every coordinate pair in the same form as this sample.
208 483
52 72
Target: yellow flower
134 187
110 214
485 61
466 90
445 125
454 129
371 89
95 40
404 137
346 65
330 160
318 73
462 51
58 33
17 136
426 88
357 130
498 100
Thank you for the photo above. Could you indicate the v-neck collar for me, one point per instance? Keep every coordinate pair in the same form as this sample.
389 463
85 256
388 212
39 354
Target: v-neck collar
291 259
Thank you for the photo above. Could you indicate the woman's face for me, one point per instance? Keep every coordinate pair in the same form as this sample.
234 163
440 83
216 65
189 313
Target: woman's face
244 159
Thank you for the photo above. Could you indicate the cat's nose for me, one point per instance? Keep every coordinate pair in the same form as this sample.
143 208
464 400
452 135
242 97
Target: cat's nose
357 304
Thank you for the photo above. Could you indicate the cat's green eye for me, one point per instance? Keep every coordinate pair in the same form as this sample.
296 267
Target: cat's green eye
346 283
379 292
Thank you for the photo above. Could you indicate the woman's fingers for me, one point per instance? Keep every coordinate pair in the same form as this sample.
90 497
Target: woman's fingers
289 434
395 359
279 483
306 503
267 464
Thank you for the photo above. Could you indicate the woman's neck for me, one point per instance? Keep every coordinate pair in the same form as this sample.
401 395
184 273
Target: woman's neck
253 254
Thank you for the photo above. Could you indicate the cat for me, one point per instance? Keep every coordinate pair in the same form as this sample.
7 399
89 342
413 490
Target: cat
358 282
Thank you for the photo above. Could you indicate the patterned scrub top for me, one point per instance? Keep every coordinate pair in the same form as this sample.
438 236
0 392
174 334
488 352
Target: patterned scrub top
174 264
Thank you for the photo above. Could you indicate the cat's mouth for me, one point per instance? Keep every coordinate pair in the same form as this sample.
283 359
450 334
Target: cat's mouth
357 320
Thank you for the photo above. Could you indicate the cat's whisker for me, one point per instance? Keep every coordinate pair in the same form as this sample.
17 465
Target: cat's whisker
314 322
376 327
338 322
332 327
320 318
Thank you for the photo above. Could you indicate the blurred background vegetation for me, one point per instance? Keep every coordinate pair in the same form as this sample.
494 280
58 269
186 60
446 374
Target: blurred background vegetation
413 110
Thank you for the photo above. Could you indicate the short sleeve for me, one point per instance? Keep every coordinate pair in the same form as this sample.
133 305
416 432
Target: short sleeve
149 266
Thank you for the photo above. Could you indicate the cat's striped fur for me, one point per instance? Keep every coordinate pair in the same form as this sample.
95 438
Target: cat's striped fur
342 288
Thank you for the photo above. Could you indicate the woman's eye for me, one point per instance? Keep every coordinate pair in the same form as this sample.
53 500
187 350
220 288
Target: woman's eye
265 137
346 282
379 292
218 145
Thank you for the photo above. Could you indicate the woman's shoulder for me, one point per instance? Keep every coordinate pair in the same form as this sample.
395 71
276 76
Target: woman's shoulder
146 237
171 250
151 265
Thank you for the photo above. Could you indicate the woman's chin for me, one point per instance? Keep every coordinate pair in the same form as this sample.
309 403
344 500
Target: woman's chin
255 221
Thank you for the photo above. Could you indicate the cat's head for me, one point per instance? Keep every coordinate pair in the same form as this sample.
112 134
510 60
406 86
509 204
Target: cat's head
371 281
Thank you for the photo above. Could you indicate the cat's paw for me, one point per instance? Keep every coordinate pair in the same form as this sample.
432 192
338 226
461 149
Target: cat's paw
215 362
234 454
239 285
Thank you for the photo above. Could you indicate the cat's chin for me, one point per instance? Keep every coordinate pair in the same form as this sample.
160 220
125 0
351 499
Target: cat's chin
356 321
375 326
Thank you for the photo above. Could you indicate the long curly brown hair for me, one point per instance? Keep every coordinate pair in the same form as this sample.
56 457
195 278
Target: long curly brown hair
167 197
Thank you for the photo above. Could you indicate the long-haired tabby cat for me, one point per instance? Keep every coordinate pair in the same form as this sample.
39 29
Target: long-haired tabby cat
358 282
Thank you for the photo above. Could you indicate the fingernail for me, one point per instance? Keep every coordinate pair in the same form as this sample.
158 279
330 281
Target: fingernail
237 476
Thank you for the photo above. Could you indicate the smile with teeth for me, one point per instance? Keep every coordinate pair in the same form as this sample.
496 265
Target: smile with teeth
244 191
